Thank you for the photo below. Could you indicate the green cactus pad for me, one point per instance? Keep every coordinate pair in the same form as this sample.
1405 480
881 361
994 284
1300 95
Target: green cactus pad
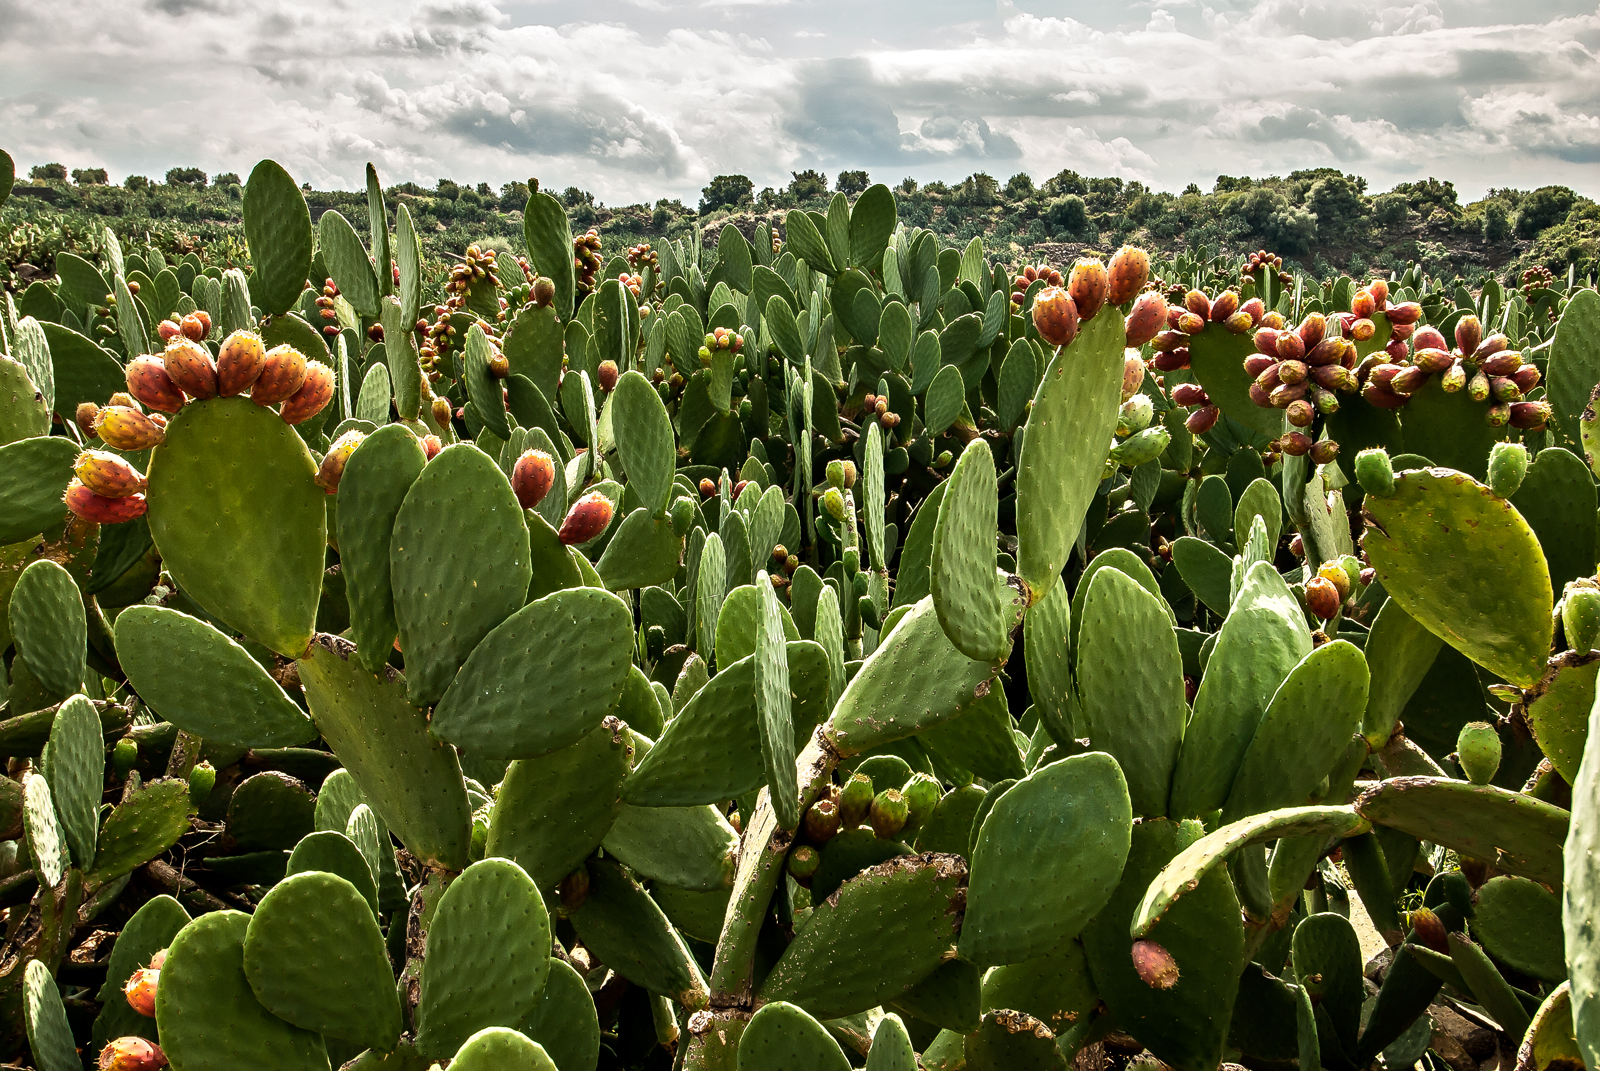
980 741
739 624
49 627
1550 1043
565 1022
913 569
487 956
150 930
948 998
1451 428
711 752
76 769
1187 869
289 960
1466 565
1064 452
1054 988
902 915
1519 834
334 853
239 522
1327 960
629 933
1581 878
37 473
782 1037
1125 561
1399 652
412 780
847 855
49 1033
499 1048
1488 987
1216 360
483 390
277 227
891 1047
644 440
375 481
1304 731
1559 714
1130 682
894 696
1185 1026
643 550
141 828
25 413
1573 367
209 1017
949 828
1045 637
43 832
270 811
685 847
205 683
542 679
1557 499
1519 922
1006 1040
1046 859
774 714
554 810
962 566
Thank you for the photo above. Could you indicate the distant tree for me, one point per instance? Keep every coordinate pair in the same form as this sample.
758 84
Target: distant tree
1496 221
979 190
1428 195
1336 203
1389 209
49 172
447 189
908 185
767 198
1230 184
1019 187
808 184
136 182
1067 215
90 176
227 178
726 190
1067 181
1544 207
1291 229
485 190
514 197
187 176
572 197
1255 205
1192 190
851 183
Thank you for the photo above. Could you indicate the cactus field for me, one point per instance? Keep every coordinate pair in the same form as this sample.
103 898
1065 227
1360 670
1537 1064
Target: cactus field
792 649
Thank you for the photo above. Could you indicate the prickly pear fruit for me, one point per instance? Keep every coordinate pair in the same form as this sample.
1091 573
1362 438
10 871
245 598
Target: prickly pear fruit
132 1054
1428 930
888 814
1135 414
107 475
190 368
1203 419
1478 751
821 821
1143 446
1055 316
283 372
922 796
84 417
532 477
833 502
1132 375
1532 416
682 514
1322 598
588 517
240 362
544 291
331 471
1130 270
1469 333
605 376
803 864
1580 615
1154 965
1407 312
169 330
86 504
196 326
431 445
140 989
1374 473
1508 464
1323 451
124 756
1335 574
1088 286
1145 321
855 801
149 382
312 397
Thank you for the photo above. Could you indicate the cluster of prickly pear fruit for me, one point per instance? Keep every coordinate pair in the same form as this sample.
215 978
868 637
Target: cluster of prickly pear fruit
601 652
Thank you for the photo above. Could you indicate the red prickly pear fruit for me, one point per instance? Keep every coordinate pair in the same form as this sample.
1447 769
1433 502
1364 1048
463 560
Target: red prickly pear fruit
1428 337
1268 379
158 960
1203 419
312 397
888 814
1174 315
84 416
1295 444
1132 375
1334 377
1322 598
194 328
1313 329
1171 362
1469 332
707 488
1301 413
1291 347
1168 340
1055 316
1328 351
1379 289
532 477
1257 363
1407 312
1428 930
1297 546
1335 574
1324 451
1154 965
1380 396
125 428
1266 340
1146 320
1408 380
1130 270
1088 285
1260 396
1491 345
1255 308
331 471
191 368
803 864
606 376
1285 393
107 474
544 291
168 330
1189 394
821 821
149 382
282 374
140 990
588 517
240 362
431 445
1501 363
101 509
738 489
1196 302
1504 389
1530 416
1226 305
1363 304
1292 372
132 1054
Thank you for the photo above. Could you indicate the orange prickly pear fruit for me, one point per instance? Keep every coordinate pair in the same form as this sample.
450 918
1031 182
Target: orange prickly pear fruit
606 376
240 363
1055 316
168 330
84 417
282 374
191 368
588 517
149 382
431 445
1088 286
532 477
1148 317
1130 270
196 326
331 471
140 990
312 397
107 474
125 428
132 1054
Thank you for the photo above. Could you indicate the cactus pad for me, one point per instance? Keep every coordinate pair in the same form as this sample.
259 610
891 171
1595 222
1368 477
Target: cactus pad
962 566
565 1023
75 772
141 828
376 478
1519 834
334 853
150 930
37 470
626 929
781 1035
49 1033
498 1048
49 628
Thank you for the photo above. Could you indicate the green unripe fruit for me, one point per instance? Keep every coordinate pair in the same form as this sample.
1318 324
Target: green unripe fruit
889 813
201 780
1142 447
821 821
803 864
1135 414
922 796
1478 751
855 800
868 611
1580 615
1335 574
124 756
1374 473
1508 464
943 460
682 516
833 503
836 474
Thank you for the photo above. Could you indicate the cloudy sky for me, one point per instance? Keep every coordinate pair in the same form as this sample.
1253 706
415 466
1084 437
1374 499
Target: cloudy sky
638 99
